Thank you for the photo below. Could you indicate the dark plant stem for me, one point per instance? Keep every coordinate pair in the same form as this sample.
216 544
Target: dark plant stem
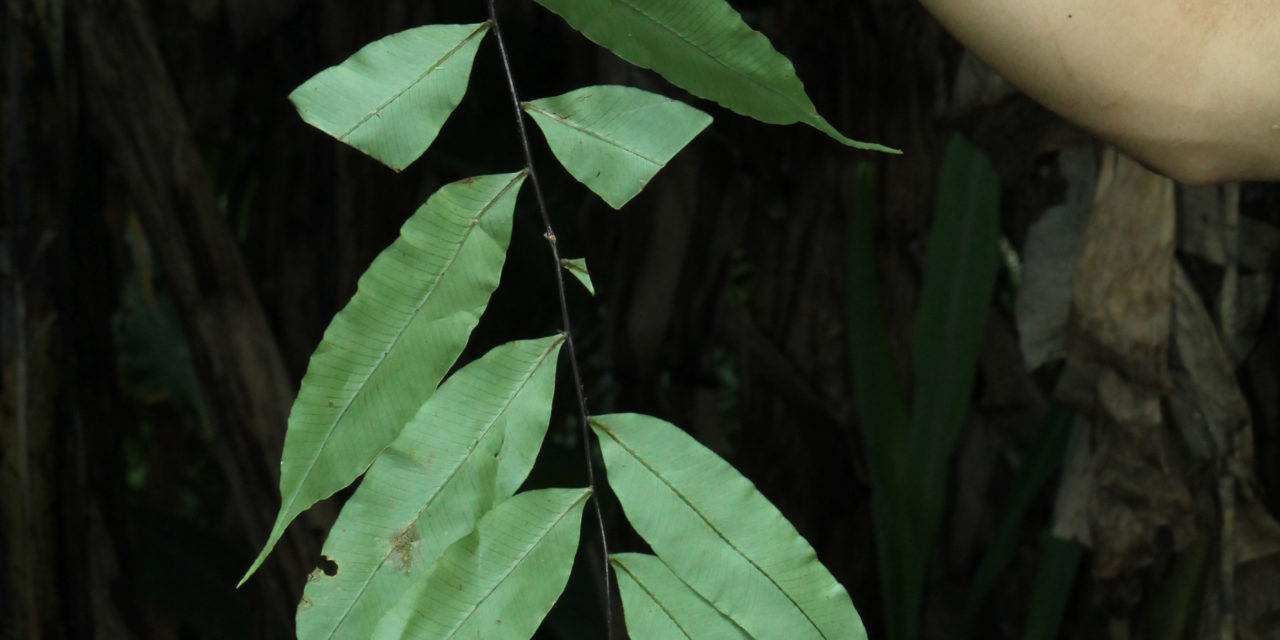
550 235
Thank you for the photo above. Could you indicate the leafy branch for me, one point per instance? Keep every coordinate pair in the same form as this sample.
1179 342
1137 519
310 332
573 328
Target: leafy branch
436 541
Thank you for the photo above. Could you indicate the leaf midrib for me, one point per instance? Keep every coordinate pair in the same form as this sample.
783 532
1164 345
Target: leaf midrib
713 527
528 375
484 26
808 111
542 537
652 596
568 122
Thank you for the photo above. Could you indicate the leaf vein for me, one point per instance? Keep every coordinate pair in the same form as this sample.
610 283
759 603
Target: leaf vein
395 340
525 378
377 111
524 556
594 134
713 527
654 598
808 110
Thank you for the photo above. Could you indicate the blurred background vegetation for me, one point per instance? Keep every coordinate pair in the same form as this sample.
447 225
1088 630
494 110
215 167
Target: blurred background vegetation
175 240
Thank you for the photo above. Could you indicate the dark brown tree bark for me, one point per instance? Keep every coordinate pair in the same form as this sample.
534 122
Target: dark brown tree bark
131 103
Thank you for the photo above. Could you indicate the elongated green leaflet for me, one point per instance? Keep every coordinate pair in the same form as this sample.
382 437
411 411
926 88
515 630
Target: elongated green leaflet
615 139
390 98
723 538
383 355
501 580
659 605
704 47
432 484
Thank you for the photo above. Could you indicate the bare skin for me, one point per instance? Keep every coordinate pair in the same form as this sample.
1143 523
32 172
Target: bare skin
1189 87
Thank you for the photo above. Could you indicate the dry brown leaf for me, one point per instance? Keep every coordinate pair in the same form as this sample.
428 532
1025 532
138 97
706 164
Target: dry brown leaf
1141 508
1124 489
1206 404
1210 228
1140 334
1201 227
1120 289
1071 506
1210 411
1049 257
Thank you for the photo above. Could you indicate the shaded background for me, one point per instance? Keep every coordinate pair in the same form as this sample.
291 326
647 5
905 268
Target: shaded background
175 241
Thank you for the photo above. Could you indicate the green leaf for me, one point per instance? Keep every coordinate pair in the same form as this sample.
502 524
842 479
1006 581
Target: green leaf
723 538
578 268
659 605
704 47
883 413
961 260
391 97
1058 564
383 355
879 400
615 139
469 446
1032 474
911 474
499 581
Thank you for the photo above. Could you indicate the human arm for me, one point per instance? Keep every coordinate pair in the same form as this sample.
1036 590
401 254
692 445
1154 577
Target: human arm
1190 87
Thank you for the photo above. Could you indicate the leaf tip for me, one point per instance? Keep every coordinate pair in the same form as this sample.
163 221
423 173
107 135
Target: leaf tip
249 574
868 146
577 267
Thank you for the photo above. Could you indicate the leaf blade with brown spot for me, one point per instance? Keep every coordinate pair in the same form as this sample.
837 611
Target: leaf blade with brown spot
433 484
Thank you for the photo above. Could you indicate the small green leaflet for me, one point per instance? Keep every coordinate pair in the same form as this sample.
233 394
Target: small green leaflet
704 47
658 604
390 98
615 139
719 535
428 489
501 580
384 353
578 267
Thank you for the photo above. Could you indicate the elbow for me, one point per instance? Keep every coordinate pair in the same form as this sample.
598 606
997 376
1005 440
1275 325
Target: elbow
1204 167
1193 170
1225 159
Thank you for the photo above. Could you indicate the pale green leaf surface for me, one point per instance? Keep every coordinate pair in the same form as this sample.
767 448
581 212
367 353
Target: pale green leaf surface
723 538
501 580
704 47
578 268
615 139
390 98
383 355
432 484
658 604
